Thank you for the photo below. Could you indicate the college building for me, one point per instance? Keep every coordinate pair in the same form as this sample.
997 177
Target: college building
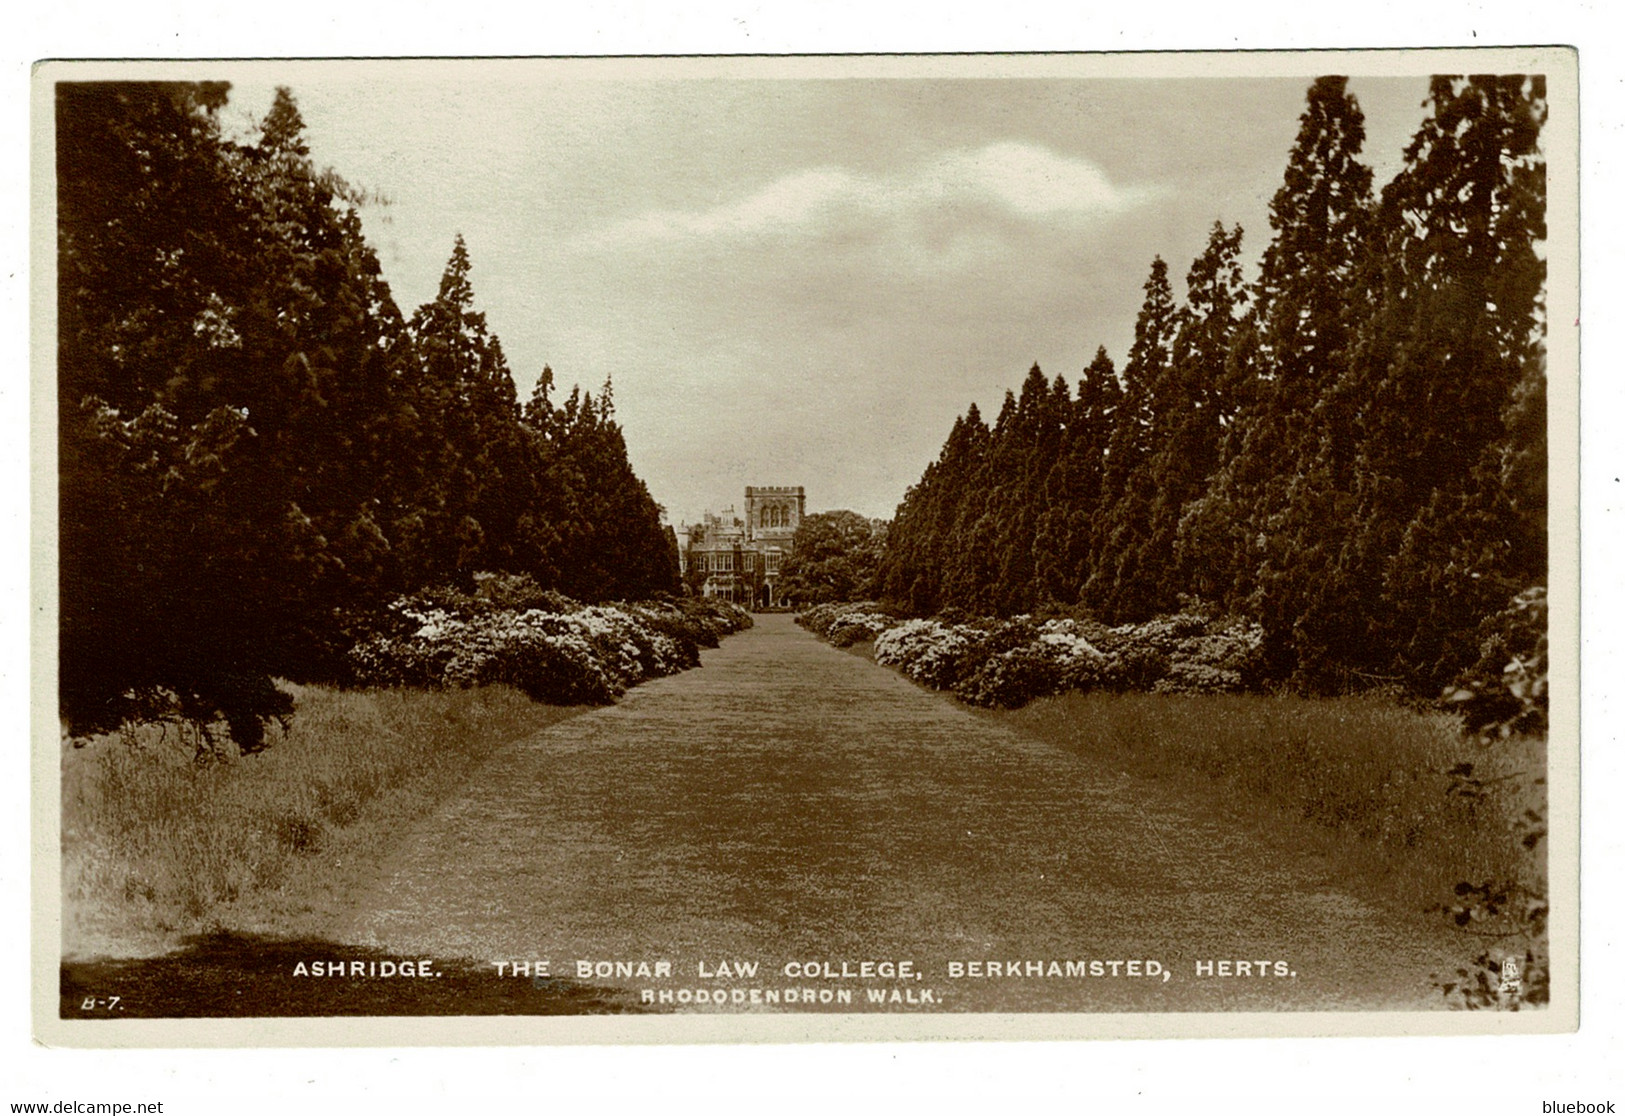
738 558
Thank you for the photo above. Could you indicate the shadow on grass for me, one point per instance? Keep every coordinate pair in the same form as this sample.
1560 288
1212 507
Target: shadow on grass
247 975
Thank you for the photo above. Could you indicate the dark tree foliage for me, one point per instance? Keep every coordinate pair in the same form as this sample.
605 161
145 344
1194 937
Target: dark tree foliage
471 444
1119 586
1061 542
920 543
1194 401
1264 529
217 309
1349 450
1019 464
1094 416
254 447
1450 473
598 535
835 557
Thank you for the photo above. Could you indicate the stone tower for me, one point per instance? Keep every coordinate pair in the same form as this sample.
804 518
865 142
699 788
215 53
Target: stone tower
774 513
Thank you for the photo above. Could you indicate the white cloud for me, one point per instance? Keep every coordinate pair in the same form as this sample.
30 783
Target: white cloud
1032 181
1022 180
792 201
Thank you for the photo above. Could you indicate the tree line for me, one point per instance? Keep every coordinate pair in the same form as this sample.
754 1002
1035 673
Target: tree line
1350 448
257 447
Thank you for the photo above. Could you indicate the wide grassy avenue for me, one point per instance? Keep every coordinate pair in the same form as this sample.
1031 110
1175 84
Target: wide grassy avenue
792 803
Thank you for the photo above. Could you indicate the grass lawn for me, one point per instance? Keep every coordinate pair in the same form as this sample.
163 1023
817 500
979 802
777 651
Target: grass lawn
1377 785
1380 786
157 848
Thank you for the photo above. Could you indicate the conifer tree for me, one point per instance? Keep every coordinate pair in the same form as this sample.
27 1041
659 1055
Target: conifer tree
1117 587
1024 451
254 447
480 475
1453 358
1191 406
1060 547
1357 461
1285 360
226 347
971 557
919 546
1100 395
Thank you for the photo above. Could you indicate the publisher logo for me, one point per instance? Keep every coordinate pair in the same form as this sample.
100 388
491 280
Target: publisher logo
1511 977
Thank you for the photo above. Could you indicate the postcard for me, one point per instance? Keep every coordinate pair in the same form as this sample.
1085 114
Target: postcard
756 549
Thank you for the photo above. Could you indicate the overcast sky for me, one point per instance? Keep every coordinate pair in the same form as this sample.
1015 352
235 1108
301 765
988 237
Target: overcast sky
805 281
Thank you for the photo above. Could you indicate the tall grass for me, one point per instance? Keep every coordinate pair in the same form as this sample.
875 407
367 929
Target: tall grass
1381 782
156 847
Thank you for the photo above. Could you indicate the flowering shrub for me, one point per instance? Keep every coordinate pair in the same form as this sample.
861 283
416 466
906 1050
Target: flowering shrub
858 627
1010 679
1225 656
1008 663
926 650
564 654
1082 665
848 623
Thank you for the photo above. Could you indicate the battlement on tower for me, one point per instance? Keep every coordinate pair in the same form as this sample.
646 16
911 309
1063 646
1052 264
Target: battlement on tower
774 511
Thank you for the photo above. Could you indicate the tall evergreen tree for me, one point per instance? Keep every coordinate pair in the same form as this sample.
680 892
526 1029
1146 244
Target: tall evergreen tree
217 310
480 478
1285 361
1117 587
1452 359
1060 547
1191 406
919 546
1020 460
597 533
1100 395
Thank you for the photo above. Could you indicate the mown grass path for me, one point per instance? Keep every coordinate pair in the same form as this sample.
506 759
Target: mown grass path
790 802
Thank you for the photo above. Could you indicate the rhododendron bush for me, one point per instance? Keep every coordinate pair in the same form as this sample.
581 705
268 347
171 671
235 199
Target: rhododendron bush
846 624
555 650
1008 663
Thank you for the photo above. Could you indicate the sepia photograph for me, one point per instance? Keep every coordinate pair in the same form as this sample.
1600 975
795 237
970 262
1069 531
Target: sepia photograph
739 549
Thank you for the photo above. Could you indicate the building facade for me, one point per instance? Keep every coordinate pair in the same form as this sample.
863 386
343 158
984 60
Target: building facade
737 557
